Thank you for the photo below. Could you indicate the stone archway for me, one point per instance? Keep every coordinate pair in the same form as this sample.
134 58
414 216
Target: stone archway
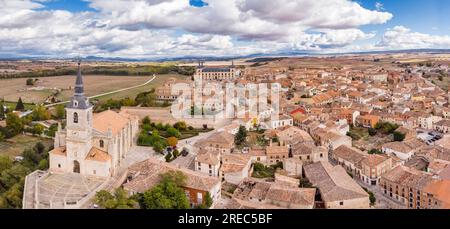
76 167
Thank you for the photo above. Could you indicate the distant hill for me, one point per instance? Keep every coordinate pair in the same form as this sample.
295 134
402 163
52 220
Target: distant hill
258 56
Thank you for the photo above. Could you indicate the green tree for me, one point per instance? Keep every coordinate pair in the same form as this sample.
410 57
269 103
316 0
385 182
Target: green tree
128 102
181 126
43 164
398 136
305 183
146 99
120 199
375 151
372 198
158 146
241 136
372 131
5 163
31 158
14 123
38 129
104 199
20 106
160 126
168 194
39 148
2 110
13 196
146 121
168 157
60 112
40 113
52 130
14 175
207 202
172 132
30 82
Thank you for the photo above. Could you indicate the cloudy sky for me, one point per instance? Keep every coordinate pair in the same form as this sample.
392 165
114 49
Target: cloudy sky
172 28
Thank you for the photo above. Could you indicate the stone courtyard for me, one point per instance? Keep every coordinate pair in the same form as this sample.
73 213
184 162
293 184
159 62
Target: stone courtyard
65 190
44 190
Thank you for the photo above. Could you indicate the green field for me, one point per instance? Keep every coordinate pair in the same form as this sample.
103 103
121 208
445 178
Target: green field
12 105
16 145
132 93
444 84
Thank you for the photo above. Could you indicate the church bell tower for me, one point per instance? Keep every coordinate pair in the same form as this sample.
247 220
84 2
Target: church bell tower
79 123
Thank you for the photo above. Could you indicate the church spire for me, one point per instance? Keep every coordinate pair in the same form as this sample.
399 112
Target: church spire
79 87
79 100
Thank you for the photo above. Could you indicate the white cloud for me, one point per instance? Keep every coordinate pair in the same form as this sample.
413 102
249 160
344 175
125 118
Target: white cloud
160 28
379 6
246 19
401 37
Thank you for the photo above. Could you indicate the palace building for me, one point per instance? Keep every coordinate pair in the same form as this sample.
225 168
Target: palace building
216 74
91 144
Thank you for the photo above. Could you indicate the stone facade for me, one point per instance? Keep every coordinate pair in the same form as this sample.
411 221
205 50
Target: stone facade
91 144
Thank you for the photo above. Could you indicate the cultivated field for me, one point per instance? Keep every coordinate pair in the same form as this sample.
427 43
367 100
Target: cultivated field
158 81
12 89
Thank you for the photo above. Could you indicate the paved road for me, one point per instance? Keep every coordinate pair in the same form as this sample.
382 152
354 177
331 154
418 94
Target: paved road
383 202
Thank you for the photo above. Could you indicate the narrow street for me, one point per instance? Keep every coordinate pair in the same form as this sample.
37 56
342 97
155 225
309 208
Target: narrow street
382 202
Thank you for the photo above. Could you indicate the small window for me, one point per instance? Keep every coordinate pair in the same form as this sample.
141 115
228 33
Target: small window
75 117
59 165
94 172
341 203
102 143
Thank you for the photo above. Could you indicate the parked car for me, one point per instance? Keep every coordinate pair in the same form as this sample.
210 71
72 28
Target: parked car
184 152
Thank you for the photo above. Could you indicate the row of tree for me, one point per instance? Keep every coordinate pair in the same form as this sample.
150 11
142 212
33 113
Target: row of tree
144 70
143 99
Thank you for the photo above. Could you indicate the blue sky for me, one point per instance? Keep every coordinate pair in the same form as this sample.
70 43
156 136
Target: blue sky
80 5
426 16
69 5
164 28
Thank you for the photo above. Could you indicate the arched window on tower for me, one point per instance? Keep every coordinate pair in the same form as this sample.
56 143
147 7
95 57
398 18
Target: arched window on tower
75 117
102 143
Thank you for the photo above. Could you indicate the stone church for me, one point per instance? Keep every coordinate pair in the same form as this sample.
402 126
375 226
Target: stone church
92 144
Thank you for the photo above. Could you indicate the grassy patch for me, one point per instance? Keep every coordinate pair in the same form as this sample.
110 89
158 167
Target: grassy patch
186 134
16 145
262 171
357 133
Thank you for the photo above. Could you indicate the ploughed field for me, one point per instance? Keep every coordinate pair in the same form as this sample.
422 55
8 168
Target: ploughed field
12 89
